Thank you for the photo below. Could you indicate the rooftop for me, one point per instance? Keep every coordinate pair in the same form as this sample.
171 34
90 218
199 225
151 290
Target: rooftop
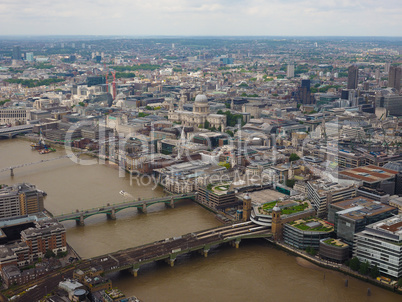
264 196
324 187
287 207
334 242
369 174
312 225
359 207
392 225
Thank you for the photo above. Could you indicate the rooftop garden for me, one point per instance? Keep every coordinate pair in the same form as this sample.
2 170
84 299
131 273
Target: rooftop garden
287 207
294 209
312 225
218 188
334 242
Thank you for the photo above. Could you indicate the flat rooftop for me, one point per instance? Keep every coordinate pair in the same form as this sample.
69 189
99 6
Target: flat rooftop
369 174
359 207
312 225
264 196
392 225
323 187
7 222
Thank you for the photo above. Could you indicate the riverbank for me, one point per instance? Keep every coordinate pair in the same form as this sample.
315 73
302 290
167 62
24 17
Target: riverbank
315 260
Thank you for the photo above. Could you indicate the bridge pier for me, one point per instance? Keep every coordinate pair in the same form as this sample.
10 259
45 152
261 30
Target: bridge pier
112 215
170 204
143 209
171 260
12 172
81 221
134 272
206 250
237 243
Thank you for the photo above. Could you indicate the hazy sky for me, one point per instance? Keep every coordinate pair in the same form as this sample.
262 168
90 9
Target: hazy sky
201 17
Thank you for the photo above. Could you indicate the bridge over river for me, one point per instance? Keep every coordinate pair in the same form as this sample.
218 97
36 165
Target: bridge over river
169 249
133 258
111 210
77 155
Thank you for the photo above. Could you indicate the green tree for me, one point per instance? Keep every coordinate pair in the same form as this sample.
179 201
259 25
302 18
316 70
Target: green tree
311 251
4 101
226 165
374 271
82 104
49 254
293 157
354 264
290 182
230 133
206 125
400 282
364 268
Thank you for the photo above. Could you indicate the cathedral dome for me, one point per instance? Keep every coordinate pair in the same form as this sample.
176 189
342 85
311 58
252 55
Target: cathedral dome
201 99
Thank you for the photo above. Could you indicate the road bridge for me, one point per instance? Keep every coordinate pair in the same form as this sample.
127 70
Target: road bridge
10 132
111 210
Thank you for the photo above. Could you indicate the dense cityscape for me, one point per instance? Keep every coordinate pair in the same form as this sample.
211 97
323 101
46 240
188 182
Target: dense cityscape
290 143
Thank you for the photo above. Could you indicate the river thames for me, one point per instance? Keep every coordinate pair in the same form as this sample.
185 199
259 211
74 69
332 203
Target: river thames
255 272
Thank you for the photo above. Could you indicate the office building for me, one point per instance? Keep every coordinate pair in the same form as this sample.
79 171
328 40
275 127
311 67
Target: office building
352 215
303 94
29 57
304 233
394 77
381 244
373 177
20 199
13 116
392 103
353 77
219 196
290 71
322 194
16 53
334 250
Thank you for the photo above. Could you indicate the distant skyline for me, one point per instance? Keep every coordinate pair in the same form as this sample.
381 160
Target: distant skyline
202 17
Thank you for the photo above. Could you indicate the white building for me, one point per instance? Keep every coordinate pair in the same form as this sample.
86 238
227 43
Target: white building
13 116
381 244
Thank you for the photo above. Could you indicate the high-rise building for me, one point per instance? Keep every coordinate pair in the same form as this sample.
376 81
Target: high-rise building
394 77
377 74
392 103
387 67
16 53
353 77
290 71
29 56
303 94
